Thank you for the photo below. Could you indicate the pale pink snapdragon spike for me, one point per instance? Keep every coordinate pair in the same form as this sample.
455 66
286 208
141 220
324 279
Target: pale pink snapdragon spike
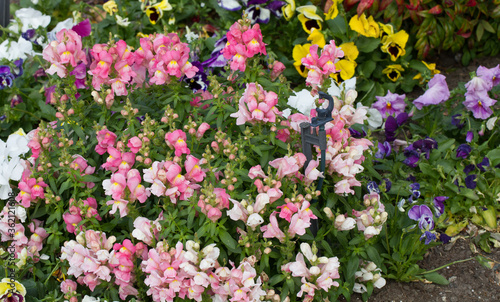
177 140
272 230
115 186
143 230
72 219
137 190
66 51
119 205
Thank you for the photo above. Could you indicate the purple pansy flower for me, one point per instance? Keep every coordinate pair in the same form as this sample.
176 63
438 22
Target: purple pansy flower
80 73
30 35
357 134
384 150
456 121
16 100
6 77
425 145
11 296
479 84
444 238
469 137
217 58
402 118
439 204
479 102
372 186
463 151
469 168
18 69
429 237
423 215
391 125
199 81
490 74
484 163
261 14
387 183
232 5
415 193
412 158
470 181
390 104
437 93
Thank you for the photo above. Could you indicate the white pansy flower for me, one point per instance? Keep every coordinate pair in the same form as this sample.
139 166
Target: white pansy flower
21 213
303 101
12 50
30 18
335 90
359 288
375 119
66 24
124 22
90 299
491 123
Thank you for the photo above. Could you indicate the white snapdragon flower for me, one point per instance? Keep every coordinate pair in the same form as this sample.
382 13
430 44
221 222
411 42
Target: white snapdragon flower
254 220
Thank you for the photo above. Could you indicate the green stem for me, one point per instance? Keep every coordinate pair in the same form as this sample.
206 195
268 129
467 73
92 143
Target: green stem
27 112
443 266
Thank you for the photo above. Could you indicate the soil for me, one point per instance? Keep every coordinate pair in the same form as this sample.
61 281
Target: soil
469 280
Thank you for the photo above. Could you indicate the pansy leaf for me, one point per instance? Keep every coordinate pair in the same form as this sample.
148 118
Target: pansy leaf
437 278
366 44
494 157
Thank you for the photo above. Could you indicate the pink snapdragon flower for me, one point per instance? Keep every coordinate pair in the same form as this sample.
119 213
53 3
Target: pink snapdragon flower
105 139
243 42
64 53
177 140
257 105
321 67
30 189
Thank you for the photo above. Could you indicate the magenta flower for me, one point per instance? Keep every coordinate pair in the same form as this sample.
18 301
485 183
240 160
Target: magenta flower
437 93
177 139
391 104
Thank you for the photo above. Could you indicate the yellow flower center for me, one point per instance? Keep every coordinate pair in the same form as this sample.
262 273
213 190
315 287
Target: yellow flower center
388 105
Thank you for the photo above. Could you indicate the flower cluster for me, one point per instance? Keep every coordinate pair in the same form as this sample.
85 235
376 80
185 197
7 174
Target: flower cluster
369 273
190 272
93 258
11 164
65 54
371 220
477 99
257 105
323 66
319 275
87 208
243 42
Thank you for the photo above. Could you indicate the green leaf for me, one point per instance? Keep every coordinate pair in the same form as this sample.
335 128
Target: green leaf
227 239
65 186
479 31
436 278
337 25
374 255
276 279
487 26
494 157
366 44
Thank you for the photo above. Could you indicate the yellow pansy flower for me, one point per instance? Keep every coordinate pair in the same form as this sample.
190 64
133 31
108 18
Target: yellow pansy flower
110 7
350 50
317 37
288 10
385 30
395 44
141 35
347 65
393 72
309 11
6 287
299 52
363 26
432 69
333 11
309 18
155 12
